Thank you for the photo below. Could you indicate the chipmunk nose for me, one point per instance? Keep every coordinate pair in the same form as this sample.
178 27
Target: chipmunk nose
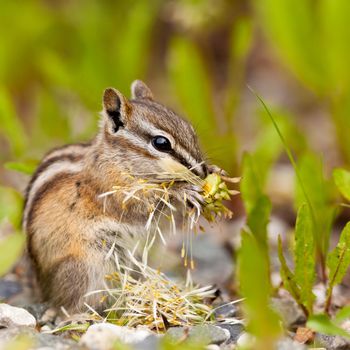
199 170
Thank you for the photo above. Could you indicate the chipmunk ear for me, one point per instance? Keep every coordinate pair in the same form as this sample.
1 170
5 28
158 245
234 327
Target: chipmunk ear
140 90
116 107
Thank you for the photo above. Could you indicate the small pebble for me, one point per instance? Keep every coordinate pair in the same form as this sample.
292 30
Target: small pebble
45 329
235 329
212 347
225 310
11 316
102 336
246 340
204 333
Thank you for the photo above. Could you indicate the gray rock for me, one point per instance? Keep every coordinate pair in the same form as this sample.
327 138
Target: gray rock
246 340
102 336
214 265
289 310
11 316
39 341
37 310
7 334
55 342
152 342
235 329
212 347
332 342
225 310
290 344
208 334
9 289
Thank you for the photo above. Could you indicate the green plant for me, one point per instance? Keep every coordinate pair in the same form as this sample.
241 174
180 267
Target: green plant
11 246
311 240
310 39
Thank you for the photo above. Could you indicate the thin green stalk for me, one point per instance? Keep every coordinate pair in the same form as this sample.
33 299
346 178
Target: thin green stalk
293 162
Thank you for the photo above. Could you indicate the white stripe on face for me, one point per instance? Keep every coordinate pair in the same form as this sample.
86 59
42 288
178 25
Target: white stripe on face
153 131
48 174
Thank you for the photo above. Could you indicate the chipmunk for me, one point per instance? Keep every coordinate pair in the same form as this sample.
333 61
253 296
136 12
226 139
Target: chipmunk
69 228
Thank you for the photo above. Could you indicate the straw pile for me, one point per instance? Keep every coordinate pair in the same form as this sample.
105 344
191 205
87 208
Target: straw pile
145 296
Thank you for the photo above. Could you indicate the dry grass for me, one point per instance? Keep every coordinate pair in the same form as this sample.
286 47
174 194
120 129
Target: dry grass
142 295
145 296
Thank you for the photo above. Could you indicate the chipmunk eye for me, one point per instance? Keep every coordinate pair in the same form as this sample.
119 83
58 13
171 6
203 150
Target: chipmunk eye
161 144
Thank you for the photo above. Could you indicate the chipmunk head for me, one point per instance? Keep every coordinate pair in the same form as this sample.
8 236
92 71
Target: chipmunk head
141 135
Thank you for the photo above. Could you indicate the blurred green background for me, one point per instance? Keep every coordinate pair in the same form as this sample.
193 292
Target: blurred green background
199 57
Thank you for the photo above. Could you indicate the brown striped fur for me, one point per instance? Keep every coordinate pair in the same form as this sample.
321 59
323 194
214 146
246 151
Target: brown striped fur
70 229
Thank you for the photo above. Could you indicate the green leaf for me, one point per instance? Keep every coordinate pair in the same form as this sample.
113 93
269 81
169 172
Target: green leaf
253 268
268 143
11 247
192 84
11 204
241 38
287 276
323 324
339 259
294 31
27 167
342 180
193 88
304 255
250 185
10 125
342 314
319 195
258 219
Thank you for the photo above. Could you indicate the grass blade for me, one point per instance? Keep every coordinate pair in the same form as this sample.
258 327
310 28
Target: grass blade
338 262
341 179
253 267
323 324
288 279
304 252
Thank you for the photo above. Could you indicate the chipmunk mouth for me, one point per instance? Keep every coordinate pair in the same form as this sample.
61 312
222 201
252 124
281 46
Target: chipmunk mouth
177 171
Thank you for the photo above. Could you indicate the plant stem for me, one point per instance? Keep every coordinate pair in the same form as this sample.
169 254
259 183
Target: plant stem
328 300
296 170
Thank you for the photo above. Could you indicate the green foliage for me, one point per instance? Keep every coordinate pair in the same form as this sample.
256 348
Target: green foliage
300 283
310 40
342 180
11 248
323 324
257 205
11 203
253 267
195 94
338 261
342 314
288 278
269 147
258 219
191 82
251 187
319 196
304 255
28 167
10 124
